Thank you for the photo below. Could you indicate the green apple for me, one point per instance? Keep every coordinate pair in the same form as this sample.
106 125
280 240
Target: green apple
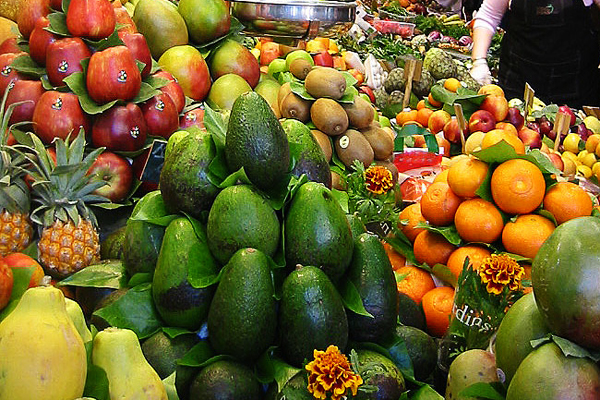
384 121
277 65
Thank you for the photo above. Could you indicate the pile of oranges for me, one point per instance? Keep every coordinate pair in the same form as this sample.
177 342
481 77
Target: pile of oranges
519 209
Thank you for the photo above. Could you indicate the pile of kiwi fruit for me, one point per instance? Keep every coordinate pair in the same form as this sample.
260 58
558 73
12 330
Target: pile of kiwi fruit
349 129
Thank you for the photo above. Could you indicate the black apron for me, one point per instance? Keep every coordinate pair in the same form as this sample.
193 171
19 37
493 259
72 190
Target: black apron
551 45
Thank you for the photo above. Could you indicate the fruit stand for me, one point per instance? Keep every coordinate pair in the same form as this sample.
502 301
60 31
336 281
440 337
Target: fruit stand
286 200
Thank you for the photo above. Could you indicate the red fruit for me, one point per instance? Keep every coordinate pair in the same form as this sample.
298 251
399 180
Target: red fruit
567 110
122 18
138 165
39 40
92 19
8 73
268 52
116 172
29 12
113 75
173 89
56 5
20 260
122 128
136 42
10 46
162 118
6 284
63 58
28 92
233 58
323 59
57 114
193 117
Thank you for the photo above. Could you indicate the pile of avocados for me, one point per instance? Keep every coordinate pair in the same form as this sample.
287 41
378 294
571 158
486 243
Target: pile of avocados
248 277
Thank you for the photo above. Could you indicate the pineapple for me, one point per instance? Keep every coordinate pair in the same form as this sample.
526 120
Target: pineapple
69 239
16 230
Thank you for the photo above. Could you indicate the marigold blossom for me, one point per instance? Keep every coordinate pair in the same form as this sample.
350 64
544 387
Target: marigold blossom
500 270
330 372
378 179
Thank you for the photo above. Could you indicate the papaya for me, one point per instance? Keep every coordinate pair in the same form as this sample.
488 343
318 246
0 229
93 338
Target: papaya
43 355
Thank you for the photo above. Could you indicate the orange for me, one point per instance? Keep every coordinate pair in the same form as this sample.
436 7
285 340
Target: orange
566 201
6 284
452 84
415 282
437 305
442 176
466 175
478 220
396 259
423 115
439 204
496 135
432 248
526 235
434 102
421 104
475 253
518 186
412 215
406 116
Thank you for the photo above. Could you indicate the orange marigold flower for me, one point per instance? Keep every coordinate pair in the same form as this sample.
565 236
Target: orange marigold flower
500 270
330 372
378 179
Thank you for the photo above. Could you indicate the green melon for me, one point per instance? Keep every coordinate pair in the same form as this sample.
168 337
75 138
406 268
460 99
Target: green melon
565 277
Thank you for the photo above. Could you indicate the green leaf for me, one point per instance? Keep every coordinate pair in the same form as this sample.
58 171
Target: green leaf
535 343
232 179
263 368
200 355
443 272
106 274
134 310
342 198
481 390
96 383
392 110
283 372
485 188
214 123
426 392
431 142
350 79
498 153
449 232
400 356
146 93
140 278
58 24
440 93
402 245
299 89
76 82
570 349
550 216
152 209
409 130
349 95
543 163
174 332
351 297
201 265
25 65
103 44
170 387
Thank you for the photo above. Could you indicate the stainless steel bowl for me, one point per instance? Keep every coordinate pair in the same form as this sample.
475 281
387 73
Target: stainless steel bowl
294 19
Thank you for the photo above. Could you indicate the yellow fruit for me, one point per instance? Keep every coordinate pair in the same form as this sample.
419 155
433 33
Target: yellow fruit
473 142
569 155
592 142
569 167
592 123
571 142
584 170
581 155
589 159
597 151
596 168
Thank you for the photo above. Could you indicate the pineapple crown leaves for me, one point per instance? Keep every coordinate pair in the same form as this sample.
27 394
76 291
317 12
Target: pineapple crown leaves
63 189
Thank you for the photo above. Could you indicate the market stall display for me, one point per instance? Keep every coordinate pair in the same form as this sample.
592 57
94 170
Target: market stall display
331 210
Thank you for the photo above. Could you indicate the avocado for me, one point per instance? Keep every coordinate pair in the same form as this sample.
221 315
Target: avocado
311 315
184 182
294 388
356 225
241 217
88 297
112 247
317 231
371 273
421 348
256 141
410 313
177 301
163 351
307 156
225 379
242 319
381 372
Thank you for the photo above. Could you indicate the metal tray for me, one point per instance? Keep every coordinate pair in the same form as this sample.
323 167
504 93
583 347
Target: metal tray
300 19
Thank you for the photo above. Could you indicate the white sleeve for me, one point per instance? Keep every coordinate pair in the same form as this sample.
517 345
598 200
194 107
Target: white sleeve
490 14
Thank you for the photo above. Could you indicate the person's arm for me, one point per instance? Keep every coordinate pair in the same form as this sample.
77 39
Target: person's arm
487 20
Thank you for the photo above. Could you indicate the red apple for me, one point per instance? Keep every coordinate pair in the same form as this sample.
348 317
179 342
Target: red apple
162 118
515 117
534 125
583 131
121 128
29 12
556 160
194 117
8 73
28 92
20 260
566 109
452 132
39 40
138 165
496 105
10 46
91 19
530 138
56 5
368 91
57 114
113 75
323 59
269 51
545 125
116 172
136 42
438 120
187 65
123 18
481 120
63 58
173 89
233 58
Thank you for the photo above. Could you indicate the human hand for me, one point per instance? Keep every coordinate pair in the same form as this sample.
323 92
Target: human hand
481 72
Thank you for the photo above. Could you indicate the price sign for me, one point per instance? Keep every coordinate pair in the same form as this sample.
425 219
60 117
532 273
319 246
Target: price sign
593 111
528 97
154 163
561 126
462 123
412 72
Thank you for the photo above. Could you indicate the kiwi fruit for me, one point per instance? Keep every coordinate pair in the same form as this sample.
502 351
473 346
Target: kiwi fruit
360 113
380 141
390 166
329 116
353 145
324 143
337 182
325 82
284 90
294 106
300 68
